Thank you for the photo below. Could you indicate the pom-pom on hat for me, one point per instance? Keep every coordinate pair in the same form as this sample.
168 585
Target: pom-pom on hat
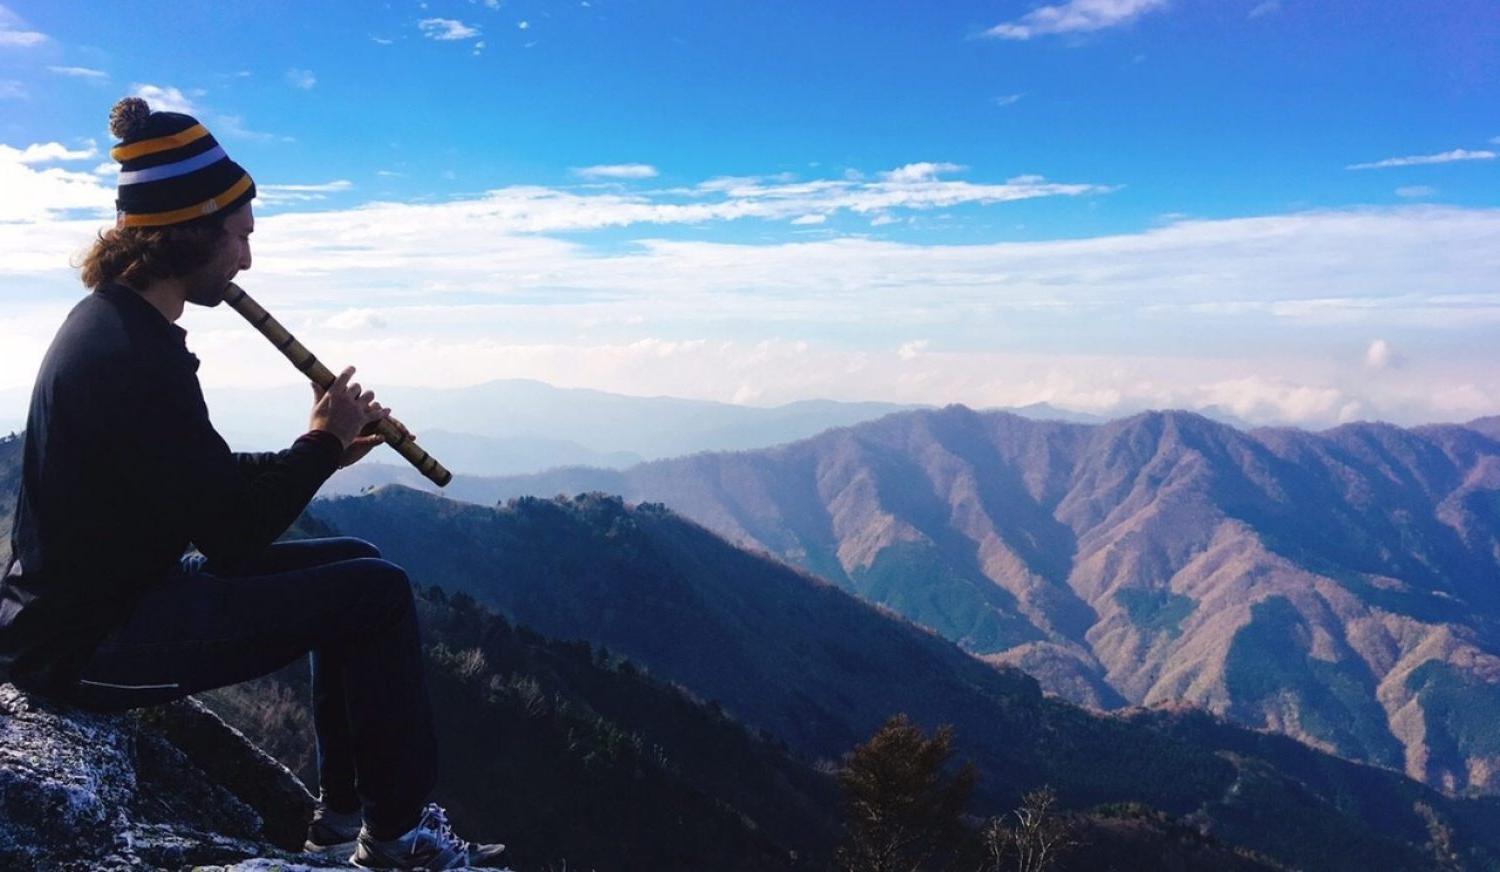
172 170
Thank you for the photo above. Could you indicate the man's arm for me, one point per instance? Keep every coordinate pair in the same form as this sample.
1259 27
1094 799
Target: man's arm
252 464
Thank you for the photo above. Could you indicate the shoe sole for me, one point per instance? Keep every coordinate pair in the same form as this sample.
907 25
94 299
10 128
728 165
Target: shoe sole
345 848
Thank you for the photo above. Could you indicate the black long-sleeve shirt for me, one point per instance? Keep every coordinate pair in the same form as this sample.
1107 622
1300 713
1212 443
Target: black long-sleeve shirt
121 470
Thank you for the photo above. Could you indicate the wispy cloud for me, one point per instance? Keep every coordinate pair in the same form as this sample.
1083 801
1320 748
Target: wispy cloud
233 127
381 40
1007 99
276 194
299 78
1456 154
14 33
164 98
10 89
472 290
1265 8
446 29
1415 191
80 72
1075 16
616 171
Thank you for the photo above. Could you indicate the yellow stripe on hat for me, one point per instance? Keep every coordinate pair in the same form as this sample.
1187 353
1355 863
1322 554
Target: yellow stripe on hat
177 216
134 150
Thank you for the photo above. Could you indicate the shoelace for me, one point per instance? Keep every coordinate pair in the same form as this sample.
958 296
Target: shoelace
435 818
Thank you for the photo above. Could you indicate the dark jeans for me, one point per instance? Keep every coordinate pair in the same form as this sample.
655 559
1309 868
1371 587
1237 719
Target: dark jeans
203 628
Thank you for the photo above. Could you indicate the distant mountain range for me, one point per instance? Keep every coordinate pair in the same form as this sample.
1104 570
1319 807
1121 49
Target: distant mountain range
1341 587
517 426
785 652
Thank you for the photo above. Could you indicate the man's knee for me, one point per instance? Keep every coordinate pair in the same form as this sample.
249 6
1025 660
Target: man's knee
386 581
355 548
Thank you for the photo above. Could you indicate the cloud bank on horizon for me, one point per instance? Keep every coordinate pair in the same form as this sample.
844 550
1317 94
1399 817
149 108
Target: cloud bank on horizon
936 270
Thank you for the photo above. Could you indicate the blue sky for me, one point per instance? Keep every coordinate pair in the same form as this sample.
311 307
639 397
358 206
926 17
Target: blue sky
1283 209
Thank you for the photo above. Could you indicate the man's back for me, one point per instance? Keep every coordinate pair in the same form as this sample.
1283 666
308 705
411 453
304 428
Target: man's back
81 537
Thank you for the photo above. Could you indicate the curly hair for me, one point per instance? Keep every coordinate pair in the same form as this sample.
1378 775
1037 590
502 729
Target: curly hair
137 256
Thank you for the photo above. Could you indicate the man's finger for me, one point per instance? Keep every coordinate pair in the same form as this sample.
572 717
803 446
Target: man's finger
342 382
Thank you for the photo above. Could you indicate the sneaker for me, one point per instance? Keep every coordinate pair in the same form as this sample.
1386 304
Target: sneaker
431 844
331 832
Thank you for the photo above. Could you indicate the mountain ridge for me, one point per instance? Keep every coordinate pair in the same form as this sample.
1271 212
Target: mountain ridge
1120 562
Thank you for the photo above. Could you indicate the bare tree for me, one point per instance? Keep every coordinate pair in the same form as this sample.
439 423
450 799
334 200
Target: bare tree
1036 841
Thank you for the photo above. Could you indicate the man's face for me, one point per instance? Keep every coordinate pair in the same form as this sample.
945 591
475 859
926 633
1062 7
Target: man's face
206 286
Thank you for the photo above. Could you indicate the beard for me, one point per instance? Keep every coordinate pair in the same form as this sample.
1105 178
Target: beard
206 295
207 287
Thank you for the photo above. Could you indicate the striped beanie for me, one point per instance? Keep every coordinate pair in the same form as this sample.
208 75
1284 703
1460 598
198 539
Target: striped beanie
172 170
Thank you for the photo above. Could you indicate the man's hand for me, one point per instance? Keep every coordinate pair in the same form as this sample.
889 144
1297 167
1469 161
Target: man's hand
349 414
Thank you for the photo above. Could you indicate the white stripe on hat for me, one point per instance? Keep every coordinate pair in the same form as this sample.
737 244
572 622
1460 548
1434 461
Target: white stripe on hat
171 170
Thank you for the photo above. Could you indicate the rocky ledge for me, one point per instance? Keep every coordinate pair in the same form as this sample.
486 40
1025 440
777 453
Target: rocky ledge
168 787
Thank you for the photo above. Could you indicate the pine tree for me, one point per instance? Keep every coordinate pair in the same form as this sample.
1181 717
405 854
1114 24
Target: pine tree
902 811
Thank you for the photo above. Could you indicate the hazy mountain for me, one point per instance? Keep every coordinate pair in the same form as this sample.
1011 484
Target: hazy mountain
785 652
1488 426
579 419
1341 587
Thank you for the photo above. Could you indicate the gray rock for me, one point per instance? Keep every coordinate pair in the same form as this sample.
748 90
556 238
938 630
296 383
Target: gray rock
165 787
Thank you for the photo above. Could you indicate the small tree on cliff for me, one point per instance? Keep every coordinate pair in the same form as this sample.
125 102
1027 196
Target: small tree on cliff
902 811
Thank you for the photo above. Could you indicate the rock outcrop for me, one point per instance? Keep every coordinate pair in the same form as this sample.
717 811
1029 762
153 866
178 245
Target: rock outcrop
166 787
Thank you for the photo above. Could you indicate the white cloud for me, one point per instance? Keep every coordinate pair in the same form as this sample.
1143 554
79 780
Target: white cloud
616 171
810 219
1380 355
164 99
21 38
1074 16
380 40
39 195
46 152
298 78
1007 99
923 172
356 319
80 72
1419 159
446 29
1265 8
475 288
523 25
1415 192
10 89
910 350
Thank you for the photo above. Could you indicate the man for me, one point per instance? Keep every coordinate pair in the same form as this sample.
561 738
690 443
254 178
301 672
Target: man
100 608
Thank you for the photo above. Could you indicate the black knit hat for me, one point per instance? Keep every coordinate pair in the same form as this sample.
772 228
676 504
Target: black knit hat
172 170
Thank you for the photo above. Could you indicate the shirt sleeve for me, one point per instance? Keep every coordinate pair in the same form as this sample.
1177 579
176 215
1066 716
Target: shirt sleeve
252 464
182 469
